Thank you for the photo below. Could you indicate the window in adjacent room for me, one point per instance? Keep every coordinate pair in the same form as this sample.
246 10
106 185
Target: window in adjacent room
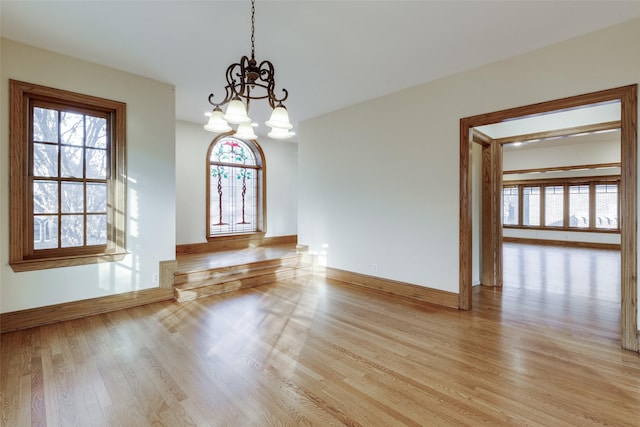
584 204
531 206
235 187
554 206
579 206
510 205
67 178
606 206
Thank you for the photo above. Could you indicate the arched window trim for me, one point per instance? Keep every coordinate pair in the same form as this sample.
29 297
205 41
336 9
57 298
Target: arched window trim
261 203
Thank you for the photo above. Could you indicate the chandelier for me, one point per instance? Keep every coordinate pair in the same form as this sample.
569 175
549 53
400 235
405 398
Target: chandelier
246 81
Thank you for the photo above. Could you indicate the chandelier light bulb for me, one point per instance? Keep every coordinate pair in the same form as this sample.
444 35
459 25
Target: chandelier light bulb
236 112
279 133
217 123
279 118
245 131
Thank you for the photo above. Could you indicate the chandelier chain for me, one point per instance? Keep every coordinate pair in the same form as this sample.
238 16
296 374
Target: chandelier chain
253 28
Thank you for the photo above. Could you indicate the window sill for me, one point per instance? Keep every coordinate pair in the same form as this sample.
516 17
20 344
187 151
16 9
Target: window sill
47 263
237 236
572 229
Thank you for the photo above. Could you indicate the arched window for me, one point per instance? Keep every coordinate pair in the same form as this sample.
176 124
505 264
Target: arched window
235 187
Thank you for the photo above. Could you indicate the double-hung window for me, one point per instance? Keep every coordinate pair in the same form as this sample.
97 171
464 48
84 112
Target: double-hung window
67 178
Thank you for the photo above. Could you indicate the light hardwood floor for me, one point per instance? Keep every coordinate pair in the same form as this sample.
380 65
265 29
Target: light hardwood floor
310 351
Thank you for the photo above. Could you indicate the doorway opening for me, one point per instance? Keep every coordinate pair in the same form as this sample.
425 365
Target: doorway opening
492 184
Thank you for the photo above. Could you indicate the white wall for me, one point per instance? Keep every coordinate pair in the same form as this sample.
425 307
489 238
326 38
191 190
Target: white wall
151 179
379 181
281 158
603 148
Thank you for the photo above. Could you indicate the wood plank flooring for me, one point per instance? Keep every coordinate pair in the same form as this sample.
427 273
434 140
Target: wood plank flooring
311 351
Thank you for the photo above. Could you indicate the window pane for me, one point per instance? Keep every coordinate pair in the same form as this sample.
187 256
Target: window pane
71 128
96 197
510 206
579 206
45 197
96 164
531 206
96 132
554 206
45 160
72 230
232 150
45 231
72 197
71 159
96 229
233 200
45 125
607 206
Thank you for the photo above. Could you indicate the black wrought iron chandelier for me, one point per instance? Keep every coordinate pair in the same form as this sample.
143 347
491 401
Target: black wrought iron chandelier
246 81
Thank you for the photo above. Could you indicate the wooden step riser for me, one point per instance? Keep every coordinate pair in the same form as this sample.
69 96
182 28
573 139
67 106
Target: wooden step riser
238 270
207 281
182 295
190 281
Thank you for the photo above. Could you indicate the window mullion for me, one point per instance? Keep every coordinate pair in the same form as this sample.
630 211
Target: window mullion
59 180
543 219
520 204
565 207
592 205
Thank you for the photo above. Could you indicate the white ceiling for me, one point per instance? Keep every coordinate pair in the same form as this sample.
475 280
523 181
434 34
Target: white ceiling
327 54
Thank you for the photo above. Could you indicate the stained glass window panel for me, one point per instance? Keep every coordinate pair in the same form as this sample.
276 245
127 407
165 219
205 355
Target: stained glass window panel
232 150
234 175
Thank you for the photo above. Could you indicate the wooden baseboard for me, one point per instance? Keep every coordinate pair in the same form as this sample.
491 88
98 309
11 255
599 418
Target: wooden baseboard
39 316
434 296
564 243
233 243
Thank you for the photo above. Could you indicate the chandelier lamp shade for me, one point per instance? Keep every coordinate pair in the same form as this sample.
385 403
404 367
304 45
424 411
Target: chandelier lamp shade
246 81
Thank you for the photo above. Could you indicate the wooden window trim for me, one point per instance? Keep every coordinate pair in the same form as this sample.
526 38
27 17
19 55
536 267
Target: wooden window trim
563 168
21 256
